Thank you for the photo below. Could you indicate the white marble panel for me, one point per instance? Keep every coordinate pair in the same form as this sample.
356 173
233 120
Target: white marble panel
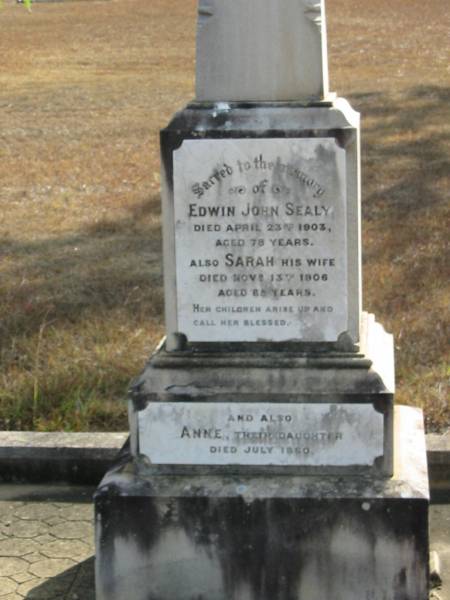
281 434
261 240
261 50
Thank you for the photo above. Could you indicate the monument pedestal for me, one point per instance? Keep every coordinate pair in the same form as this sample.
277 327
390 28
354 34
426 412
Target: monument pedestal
277 537
262 226
306 412
267 460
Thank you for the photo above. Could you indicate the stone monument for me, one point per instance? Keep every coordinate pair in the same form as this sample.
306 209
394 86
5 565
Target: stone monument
267 460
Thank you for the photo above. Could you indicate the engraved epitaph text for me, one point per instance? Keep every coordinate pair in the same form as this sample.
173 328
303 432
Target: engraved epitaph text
261 434
260 237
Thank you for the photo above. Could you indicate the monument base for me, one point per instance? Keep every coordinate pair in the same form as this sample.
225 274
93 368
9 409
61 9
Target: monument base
314 413
277 537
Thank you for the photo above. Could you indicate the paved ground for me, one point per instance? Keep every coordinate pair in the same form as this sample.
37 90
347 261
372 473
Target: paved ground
46 543
47 547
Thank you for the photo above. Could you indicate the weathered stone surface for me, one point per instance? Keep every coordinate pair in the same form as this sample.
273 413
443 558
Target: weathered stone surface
21 577
45 567
46 589
8 510
190 560
44 539
6 587
230 382
29 590
237 161
35 511
17 547
98 442
440 550
55 520
261 240
11 565
74 549
231 537
435 569
80 512
71 530
261 50
73 457
27 529
266 376
50 567
319 435
438 446
32 558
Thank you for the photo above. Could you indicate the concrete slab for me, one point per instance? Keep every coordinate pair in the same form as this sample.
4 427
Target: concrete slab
83 458
438 454
77 458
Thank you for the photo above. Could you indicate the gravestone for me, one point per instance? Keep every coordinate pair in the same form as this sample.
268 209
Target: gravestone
266 459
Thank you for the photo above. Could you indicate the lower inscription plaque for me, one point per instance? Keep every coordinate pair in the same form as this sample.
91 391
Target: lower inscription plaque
194 433
261 239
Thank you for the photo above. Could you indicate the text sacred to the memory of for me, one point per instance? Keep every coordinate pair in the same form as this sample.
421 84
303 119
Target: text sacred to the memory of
260 228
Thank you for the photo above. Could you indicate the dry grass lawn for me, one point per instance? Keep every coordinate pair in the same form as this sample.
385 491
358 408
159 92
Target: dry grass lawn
84 89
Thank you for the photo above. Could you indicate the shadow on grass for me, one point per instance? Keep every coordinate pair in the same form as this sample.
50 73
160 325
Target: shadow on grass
406 160
79 316
76 582
109 276
398 130
117 263
110 264
405 189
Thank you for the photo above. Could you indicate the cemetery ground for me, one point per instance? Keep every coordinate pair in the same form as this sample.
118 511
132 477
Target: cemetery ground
85 88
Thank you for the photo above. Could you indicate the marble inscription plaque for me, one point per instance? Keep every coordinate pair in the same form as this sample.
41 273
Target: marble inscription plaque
195 433
261 240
